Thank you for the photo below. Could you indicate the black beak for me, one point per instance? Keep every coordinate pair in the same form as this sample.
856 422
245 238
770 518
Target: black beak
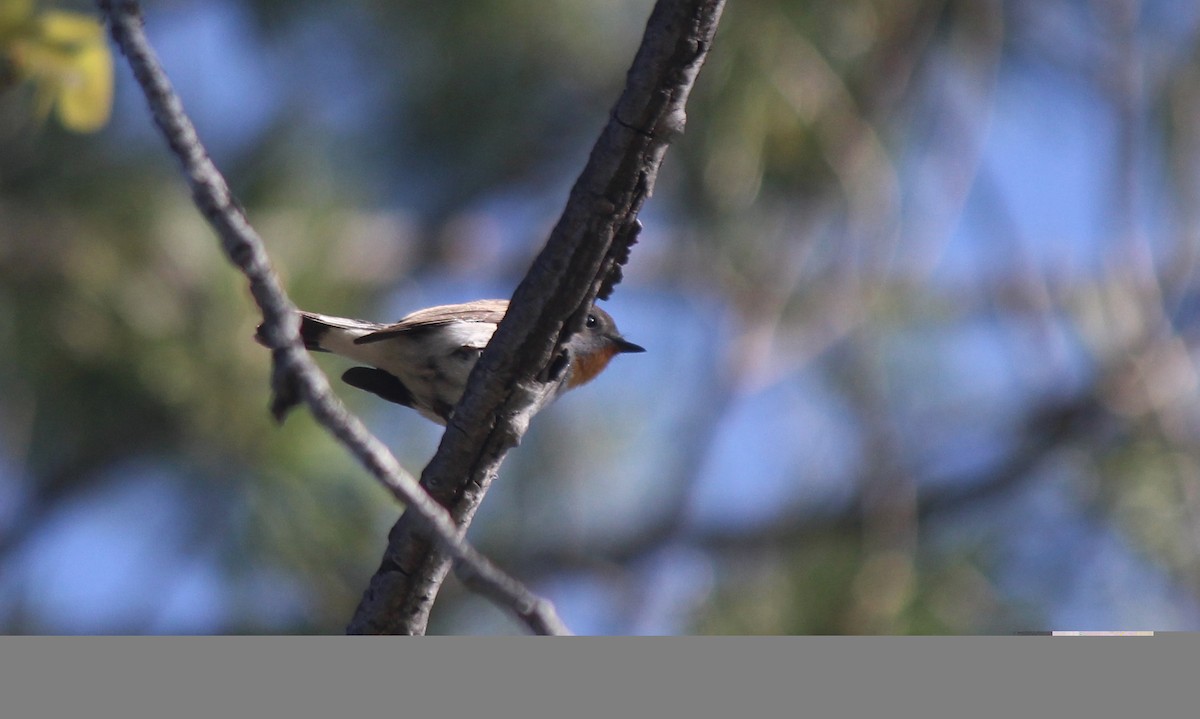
624 345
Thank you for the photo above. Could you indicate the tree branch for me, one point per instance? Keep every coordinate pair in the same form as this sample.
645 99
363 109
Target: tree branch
580 261
294 374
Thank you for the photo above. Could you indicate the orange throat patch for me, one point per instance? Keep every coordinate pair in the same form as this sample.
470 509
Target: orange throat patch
585 367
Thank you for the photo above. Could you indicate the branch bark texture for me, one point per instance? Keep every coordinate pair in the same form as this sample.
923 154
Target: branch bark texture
581 261
294 372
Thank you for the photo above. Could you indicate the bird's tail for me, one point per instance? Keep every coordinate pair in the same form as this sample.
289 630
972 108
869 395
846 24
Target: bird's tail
314 327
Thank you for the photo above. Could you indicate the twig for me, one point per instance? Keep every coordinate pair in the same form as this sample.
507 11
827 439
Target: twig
293 368
580 259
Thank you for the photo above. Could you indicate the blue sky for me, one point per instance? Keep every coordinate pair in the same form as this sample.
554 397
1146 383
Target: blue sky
88 569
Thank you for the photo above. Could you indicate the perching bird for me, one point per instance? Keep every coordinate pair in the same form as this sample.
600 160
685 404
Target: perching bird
423 360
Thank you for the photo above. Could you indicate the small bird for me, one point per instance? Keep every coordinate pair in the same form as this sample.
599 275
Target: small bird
423 360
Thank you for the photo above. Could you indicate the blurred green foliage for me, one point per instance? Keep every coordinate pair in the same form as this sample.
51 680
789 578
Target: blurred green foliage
790 285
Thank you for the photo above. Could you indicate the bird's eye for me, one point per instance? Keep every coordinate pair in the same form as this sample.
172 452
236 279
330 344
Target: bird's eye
592 321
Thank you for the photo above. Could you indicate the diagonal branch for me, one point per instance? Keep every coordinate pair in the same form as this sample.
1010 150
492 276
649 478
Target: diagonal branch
580 261
293 371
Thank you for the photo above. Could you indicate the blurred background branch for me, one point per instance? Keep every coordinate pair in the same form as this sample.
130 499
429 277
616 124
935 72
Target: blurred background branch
295 378
582 259
918 288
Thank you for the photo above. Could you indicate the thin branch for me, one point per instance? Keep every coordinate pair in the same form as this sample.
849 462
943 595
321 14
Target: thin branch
580 261
294 372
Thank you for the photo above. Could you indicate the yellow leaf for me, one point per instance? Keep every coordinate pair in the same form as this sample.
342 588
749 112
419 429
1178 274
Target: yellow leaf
69 61
85 95
69 28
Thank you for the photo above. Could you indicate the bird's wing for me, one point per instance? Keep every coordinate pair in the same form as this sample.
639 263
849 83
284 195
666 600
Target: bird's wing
486 311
